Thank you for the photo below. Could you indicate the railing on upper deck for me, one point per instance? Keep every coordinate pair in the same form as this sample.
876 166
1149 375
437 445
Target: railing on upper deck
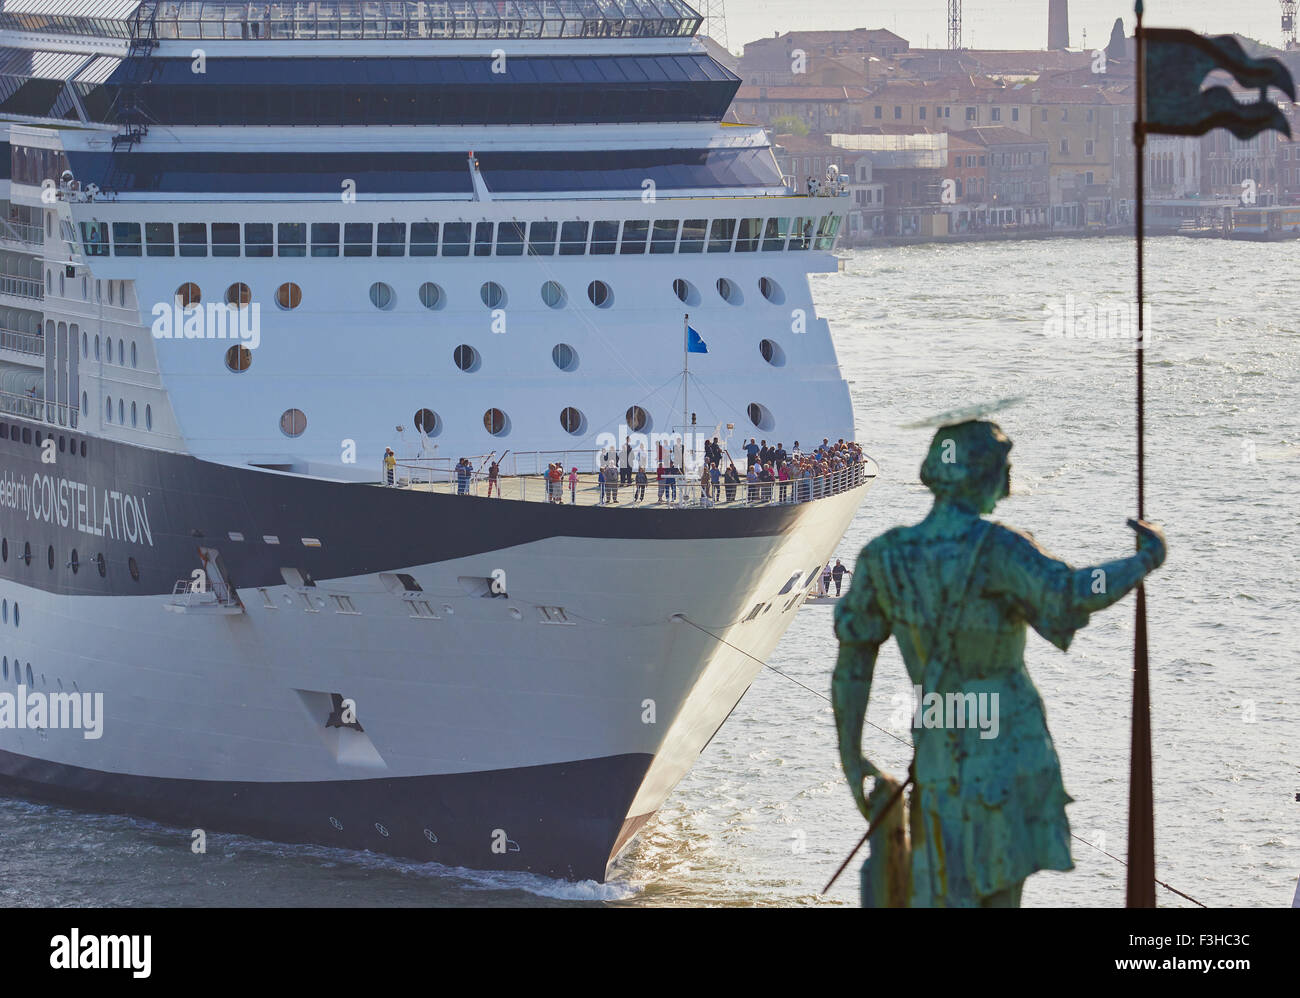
23 287
31 343
358 19
22 232
35 407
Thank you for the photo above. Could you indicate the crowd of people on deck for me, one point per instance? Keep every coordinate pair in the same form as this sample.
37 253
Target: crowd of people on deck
772 473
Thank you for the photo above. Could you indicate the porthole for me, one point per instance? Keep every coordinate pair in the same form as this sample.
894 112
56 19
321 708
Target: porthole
730 292
133 567
431 295
572 420
133 423
15 613
288 296
85 345
770 290
564 357
637 419
496 422
553 295
599 293
30 680
108 409
148 422
73 563
100 565
685 290
188 294
97 346
133 354
85 402
381 296
428 422
121 411
238 294
121 353
238 358
493 295
4 549
466 358
760 416
27 552
6 667
772 352
49 556
293 422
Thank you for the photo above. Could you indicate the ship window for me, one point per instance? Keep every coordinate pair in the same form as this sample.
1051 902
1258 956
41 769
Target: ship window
27 555
187 294
634 236
729 292
100 566
392 239
775 233
239 294
553 295
49 556
30 681
431 295
194 238
381 296
760 416
133 354
121 351
225 239
493 295
4 556
572 420
148 423
496 422
292 238
693 230
685 290
108 409
455 239
772 352
564 357
604 238
483 238
771 290
158 239
510 239
288 296
85 345
428 422
126 238
665 236
97 346
293 422
94 238
801 234
424 239
358 238
258 240
637 419
83 402
133 422
466 358
720 235
324 238
573 238
238 359
599 293
541 238
121 411
747 238
133 567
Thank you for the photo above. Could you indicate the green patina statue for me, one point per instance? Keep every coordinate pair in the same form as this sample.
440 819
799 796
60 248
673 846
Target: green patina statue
987 805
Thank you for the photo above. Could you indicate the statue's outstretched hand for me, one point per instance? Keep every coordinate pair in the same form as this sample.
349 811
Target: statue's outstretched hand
1150 542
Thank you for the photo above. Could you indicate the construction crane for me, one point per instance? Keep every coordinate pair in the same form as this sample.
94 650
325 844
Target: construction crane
954 24
1288 23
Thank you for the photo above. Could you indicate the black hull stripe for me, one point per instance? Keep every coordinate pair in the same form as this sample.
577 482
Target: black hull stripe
563 820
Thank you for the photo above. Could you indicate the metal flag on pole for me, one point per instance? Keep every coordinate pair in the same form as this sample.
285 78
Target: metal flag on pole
1177 61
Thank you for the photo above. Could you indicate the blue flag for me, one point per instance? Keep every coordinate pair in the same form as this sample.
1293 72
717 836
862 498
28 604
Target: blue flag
694 344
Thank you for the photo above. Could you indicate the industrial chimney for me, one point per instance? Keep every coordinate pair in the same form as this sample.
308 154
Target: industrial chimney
1058 24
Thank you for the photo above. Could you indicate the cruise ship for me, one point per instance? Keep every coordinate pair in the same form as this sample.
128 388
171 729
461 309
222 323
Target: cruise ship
247 248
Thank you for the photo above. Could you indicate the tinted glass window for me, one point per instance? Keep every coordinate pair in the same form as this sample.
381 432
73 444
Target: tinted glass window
634 236
158 239
392 239
126 238
510 238
483 238
257 238
747 238
291 238
424 239
357 237
604 238
573 238
775 232
541 238
455 239
225 239
720 235
324 238
194 238
665 237
693 230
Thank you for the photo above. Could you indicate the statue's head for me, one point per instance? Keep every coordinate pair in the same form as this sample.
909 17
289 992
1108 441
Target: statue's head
968 463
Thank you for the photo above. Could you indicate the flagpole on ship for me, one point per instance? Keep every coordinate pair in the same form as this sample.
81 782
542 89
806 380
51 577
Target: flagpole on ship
686 382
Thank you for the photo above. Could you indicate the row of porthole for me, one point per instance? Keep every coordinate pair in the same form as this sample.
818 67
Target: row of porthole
121 411
288 296
4 611
66 444
18 671
121 350
74 563
293 422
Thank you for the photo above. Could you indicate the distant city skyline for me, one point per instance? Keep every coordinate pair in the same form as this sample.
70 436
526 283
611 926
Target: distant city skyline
1000 24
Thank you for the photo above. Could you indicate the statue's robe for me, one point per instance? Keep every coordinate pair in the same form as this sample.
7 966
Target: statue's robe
985 812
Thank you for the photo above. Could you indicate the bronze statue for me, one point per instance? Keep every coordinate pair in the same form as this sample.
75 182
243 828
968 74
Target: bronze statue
987 805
